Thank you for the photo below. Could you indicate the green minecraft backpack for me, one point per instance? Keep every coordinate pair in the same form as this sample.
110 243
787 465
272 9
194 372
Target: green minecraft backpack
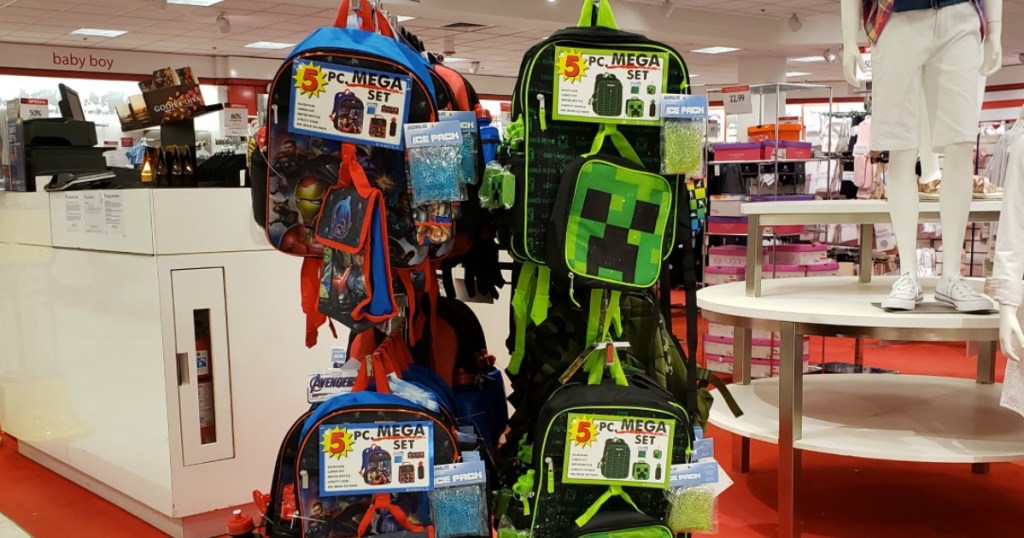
610 219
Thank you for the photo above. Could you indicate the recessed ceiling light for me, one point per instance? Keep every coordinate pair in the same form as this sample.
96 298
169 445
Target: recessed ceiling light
694 75
808 59
715 50
269 45
797 74
99 32
203 3
452 59
404 18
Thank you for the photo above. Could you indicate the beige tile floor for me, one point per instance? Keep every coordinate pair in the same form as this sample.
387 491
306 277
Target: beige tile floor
9 530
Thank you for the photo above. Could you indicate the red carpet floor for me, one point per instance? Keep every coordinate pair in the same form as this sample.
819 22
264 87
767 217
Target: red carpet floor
843 497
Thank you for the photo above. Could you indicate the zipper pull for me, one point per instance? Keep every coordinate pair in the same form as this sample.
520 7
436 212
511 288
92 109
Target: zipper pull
572 290
304 478
543 112
551 475
274 109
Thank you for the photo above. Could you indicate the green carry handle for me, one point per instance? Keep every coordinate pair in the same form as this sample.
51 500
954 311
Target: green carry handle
596 362
605 17
613 491
620 142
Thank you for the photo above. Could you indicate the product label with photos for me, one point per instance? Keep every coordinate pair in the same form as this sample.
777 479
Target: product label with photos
349 104
363 459
610 450
609 86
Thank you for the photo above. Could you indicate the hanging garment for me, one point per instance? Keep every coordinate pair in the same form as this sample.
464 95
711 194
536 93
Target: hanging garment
1006 285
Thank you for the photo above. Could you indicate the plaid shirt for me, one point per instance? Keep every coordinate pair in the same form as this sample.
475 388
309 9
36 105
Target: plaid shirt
877 13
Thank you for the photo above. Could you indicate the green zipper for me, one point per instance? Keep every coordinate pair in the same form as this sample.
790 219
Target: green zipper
550 474
527 255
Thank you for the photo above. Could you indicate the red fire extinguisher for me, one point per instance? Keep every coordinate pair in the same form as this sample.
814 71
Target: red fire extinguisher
204 371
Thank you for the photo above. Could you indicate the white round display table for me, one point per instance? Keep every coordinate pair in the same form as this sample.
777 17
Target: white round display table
893 417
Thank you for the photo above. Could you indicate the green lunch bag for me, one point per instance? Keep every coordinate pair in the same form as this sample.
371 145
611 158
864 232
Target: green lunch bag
610 220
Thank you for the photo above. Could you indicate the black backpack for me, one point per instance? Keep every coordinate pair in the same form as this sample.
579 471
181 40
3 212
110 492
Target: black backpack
607 99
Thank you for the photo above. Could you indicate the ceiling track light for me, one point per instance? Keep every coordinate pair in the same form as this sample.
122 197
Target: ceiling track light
474 67
667 7
794 23
223 23
829 56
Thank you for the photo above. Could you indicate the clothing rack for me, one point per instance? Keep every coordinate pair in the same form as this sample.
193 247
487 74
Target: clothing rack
854 114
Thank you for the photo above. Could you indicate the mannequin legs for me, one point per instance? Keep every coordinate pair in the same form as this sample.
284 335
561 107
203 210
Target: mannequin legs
901 189
955 205
930 169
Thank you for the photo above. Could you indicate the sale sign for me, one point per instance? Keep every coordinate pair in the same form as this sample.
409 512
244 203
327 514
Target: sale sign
607 86
615 450
362 459
737 100
349 104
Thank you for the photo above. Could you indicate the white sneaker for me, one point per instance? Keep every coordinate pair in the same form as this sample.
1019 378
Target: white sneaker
959 294
906 294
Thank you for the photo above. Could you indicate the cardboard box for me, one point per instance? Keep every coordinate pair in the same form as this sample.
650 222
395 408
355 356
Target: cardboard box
715 274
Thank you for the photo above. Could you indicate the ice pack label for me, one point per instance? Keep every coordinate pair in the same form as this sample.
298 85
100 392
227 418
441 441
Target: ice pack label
608 86
364 459
426 135
615 450
349 104
684 107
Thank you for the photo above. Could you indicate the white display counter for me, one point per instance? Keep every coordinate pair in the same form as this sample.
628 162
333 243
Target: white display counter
97 346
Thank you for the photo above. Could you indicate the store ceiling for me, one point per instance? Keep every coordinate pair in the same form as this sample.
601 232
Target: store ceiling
508 28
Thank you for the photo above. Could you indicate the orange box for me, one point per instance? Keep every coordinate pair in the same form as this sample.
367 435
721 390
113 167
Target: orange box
787 131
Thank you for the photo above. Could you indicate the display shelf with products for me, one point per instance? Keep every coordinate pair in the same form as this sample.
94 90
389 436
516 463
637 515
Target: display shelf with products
881 420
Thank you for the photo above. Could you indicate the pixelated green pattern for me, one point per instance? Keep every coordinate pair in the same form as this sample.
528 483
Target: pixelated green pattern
626 188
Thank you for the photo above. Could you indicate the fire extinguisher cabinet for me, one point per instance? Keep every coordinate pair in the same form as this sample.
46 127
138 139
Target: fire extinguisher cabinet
151 347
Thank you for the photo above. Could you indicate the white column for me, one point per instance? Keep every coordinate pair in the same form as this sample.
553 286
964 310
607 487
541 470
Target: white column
760 70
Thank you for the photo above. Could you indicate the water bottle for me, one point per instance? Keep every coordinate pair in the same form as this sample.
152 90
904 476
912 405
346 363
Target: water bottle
490 138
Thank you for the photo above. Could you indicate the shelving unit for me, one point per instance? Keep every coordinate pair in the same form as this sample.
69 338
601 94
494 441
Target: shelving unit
899 418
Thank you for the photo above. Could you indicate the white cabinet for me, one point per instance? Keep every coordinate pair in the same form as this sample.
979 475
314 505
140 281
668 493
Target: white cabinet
98 349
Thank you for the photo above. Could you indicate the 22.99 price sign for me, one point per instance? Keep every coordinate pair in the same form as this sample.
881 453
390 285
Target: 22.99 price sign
737 100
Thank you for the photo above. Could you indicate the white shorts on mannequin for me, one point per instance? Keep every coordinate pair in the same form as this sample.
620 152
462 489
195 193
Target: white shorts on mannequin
932 55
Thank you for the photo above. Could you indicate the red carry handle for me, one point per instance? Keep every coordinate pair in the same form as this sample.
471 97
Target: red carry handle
365 14
380 375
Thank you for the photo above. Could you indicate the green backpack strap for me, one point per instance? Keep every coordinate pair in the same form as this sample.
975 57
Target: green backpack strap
603 316
605 18
613 491
620 142
522 300
530 303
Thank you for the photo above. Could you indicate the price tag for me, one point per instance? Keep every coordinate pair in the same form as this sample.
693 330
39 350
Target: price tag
737 100
235 121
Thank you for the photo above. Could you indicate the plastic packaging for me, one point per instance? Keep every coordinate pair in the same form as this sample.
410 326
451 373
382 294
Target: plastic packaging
682 134
434 162
460 510
692 509
470 153
498 190
682 147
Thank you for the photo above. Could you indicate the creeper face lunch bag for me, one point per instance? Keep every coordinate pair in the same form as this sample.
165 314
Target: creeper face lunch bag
609 224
